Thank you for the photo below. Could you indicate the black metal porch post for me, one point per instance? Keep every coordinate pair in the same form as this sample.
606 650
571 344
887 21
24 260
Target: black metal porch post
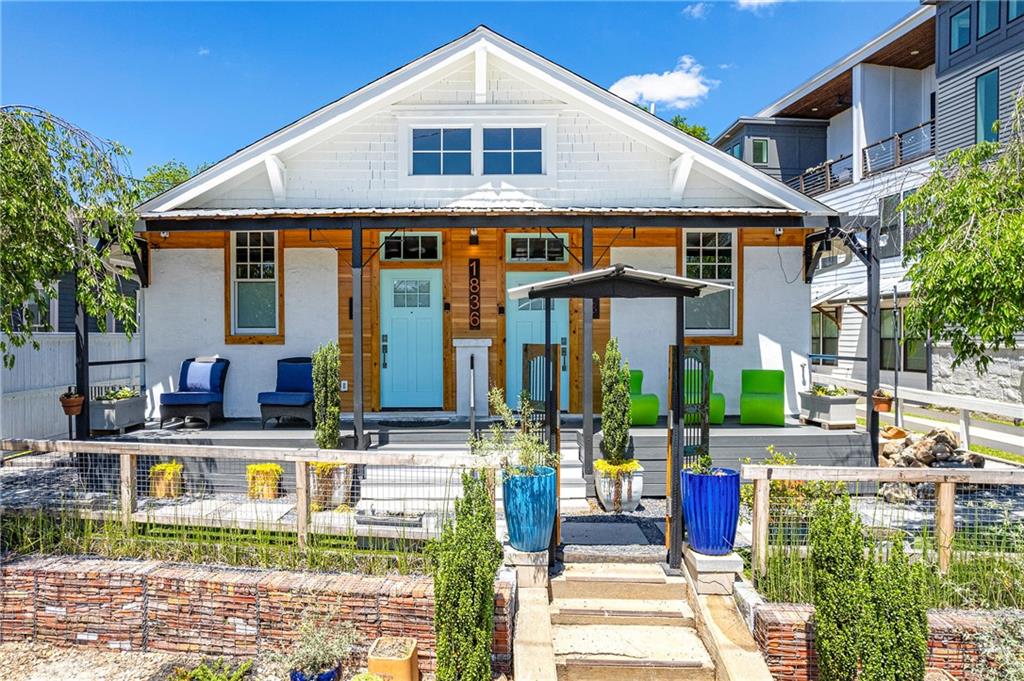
357 335
81 361
675 549
549 398
874 335
587 350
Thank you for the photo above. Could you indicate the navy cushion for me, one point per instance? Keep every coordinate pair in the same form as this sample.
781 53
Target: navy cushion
190 397
285 399
294 377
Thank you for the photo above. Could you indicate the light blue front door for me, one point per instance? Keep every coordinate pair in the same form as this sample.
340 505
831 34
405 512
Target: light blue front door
411 357
524 323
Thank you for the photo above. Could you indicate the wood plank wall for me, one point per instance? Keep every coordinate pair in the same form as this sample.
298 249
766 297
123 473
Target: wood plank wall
457 251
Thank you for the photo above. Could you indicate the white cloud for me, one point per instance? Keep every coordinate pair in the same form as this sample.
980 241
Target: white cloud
682 87
726 67
698 10
203 51
755 5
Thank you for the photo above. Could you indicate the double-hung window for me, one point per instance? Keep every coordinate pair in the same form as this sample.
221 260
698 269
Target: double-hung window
254 276
824 337
913 351
988 17
986 107
711 256
759 151
895 230
960 30
442 151
513 151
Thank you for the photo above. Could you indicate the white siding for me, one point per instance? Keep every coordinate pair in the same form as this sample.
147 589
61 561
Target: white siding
186 319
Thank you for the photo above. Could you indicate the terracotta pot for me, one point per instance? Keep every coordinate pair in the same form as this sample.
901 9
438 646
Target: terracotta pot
263 486
165 485
881 404
72 406
397 666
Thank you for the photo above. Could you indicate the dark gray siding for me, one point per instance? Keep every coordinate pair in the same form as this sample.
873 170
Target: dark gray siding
1008 37
793 145
955 100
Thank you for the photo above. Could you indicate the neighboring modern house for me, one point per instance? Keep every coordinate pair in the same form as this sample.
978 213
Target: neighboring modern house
477 167
862 134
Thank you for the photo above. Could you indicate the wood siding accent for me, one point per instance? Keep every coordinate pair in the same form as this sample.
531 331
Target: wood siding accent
185 239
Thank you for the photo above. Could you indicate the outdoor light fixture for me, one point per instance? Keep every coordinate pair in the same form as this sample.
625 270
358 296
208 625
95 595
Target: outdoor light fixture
474 236
915 52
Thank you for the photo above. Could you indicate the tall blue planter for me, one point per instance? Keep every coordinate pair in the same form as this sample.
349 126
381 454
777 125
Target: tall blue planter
711 509
530 509
329 675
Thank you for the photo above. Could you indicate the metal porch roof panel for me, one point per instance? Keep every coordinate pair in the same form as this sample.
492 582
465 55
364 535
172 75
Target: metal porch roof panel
228 213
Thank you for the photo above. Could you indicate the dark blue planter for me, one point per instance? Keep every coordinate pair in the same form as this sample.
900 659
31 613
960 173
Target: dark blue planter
329 675
711 509
530 509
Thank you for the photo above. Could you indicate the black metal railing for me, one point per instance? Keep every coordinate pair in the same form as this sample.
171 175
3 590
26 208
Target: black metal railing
824 177
899 149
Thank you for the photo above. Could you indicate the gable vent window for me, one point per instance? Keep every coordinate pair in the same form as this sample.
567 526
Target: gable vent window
513 151
441 151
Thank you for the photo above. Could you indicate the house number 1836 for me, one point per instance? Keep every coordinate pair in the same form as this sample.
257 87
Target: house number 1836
474 293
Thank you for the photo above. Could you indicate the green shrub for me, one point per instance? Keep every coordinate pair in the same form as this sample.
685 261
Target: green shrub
615 403
999 650
327 396
465 561
894 631
837 562
215 670
323 643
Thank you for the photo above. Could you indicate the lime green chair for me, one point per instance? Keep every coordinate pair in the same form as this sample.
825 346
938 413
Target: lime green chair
716 401
643 409
763 397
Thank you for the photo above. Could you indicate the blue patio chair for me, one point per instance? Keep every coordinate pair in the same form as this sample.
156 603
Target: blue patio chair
293 394
200 392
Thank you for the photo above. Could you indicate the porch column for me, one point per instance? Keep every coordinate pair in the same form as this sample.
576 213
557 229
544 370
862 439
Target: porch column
675 547
357 335
587 351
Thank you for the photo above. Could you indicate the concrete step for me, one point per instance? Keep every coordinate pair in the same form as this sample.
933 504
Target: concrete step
617 580
675 613
610 652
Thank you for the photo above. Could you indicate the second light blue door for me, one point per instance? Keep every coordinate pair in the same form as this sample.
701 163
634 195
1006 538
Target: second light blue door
525 324
411 358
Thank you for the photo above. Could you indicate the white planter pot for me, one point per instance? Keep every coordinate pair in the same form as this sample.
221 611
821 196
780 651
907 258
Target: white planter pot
632 490
117 414
833 412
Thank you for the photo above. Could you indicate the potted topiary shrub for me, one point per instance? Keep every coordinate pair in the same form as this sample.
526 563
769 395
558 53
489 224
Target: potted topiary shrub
528 472
71 402
829 405
394 657
620 480
264 480
165 480
881 400
711 506
117 409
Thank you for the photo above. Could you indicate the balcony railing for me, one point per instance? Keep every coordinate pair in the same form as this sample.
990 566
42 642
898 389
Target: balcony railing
824 177
902 148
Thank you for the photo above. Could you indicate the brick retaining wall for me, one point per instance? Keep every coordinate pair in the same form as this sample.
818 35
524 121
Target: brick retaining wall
786 638
153 605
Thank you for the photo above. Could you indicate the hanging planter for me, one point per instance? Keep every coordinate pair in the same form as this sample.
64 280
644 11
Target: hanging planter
165 480
881 400
71 402
395 658
264 480
711 509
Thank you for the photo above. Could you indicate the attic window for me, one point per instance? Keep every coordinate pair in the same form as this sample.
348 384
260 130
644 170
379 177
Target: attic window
513 151
441 151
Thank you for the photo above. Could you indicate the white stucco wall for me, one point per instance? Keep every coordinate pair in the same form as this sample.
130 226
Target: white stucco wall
184 309
775 324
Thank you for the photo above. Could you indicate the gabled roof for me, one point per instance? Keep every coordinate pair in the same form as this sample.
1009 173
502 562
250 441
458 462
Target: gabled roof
390 87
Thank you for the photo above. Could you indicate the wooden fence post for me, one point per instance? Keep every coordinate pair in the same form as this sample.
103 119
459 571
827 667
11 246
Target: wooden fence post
128 487
762 498
945 497
302 502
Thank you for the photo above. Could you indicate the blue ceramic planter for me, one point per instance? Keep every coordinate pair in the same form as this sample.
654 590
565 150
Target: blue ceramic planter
711 509
530 509
329 675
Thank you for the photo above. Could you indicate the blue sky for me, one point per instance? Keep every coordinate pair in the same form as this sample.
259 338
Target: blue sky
196 81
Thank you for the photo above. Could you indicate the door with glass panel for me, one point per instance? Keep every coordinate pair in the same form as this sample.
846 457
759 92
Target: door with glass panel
411 358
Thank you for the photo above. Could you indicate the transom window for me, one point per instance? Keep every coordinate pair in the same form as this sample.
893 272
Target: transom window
759 152
986 107
254 274
711 256
988 17
537 248
960 30
412 247
411 293
513 151
442 151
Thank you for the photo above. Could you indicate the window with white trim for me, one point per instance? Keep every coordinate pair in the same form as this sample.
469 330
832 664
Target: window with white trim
442 151
759 151
525 247
411 246
710 255
513 151
254 283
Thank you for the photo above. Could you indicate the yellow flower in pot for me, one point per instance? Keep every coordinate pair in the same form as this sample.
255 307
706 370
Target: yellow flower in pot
165 480
324 483
263 479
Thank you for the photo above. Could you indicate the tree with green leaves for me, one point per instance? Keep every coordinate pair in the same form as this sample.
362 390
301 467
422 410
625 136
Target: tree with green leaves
66 203
160 178
967 282
692 129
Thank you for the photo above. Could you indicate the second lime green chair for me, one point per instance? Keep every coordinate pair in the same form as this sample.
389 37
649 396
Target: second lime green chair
763 397
643 409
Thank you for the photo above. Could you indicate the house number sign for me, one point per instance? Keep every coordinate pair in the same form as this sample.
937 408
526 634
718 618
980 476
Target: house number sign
474 294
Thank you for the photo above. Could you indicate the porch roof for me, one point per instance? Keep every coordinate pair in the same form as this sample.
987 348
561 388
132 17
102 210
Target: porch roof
618 281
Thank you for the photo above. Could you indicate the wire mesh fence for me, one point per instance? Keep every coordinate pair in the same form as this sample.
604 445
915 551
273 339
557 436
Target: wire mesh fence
966 528
253 506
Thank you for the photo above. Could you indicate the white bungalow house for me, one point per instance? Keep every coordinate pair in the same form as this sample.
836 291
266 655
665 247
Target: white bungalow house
396 218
